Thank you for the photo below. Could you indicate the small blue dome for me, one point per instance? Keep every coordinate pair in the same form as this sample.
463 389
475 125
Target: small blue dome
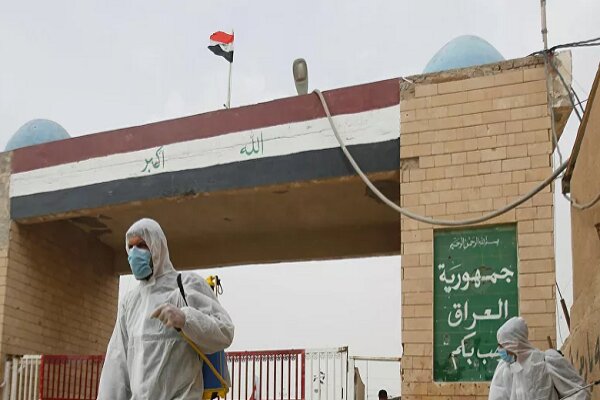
36 131
463 51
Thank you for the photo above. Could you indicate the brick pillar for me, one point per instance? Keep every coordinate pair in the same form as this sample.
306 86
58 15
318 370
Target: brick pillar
58 289
475 144
61 295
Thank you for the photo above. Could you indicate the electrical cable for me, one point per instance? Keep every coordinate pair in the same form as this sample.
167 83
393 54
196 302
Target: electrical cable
551 108
417 217
584 206
570 199
591 43
567 87
564 307
582 101
583 43
558 287
558 324
579 102
573 80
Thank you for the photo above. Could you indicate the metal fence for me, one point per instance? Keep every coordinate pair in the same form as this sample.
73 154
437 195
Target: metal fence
21 378
327 373
374 373
312 374
70 377
255 375
271 374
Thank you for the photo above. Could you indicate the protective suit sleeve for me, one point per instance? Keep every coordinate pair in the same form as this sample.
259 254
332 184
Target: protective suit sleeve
114 381
206 321
501 385
565 378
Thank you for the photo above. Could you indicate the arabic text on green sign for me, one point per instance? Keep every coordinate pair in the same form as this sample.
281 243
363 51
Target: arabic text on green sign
475 292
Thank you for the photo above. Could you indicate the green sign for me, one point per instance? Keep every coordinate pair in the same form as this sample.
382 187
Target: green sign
475 292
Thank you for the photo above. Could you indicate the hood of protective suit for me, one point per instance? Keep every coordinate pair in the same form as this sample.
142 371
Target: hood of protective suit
536 375
146 359
149 230
514 337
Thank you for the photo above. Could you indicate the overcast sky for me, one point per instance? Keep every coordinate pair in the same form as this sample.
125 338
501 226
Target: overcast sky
100 65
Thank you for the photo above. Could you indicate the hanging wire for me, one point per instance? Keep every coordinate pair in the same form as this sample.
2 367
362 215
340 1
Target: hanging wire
421 218
583 43
570 199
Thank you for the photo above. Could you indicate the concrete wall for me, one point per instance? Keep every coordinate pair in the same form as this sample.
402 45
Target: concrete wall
583 344
473 141
60 294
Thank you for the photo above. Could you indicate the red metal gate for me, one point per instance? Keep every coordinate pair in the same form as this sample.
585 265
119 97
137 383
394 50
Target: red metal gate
271 374
70 377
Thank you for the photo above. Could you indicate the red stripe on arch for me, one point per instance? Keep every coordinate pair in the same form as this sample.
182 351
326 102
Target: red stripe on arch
347 100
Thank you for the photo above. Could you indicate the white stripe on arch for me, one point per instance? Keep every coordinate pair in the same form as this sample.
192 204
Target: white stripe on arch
372 126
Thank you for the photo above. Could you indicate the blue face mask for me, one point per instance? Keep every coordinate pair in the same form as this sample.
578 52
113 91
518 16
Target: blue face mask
505 356
140 261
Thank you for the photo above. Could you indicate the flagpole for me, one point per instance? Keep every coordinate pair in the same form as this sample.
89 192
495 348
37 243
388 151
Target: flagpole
229 85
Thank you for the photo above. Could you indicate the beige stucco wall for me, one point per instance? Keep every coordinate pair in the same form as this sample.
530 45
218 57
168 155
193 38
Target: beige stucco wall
583 344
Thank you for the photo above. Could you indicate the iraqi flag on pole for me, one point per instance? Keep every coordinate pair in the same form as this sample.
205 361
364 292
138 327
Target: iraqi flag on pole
221 44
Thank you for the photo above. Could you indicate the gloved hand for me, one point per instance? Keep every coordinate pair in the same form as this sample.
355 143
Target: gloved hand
170 315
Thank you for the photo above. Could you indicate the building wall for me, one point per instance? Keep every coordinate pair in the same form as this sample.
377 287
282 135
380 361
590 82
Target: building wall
60 295
471 142
583 344
4 235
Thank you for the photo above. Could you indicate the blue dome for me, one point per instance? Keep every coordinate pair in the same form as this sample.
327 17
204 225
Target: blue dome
36 131
461 52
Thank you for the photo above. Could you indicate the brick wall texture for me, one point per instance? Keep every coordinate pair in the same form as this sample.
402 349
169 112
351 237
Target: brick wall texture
475 144
471 142
59 294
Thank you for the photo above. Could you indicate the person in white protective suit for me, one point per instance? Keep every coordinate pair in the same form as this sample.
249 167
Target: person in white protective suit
526 373
146 357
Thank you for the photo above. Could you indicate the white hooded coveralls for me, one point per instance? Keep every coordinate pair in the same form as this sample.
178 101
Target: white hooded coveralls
147 360
536 375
